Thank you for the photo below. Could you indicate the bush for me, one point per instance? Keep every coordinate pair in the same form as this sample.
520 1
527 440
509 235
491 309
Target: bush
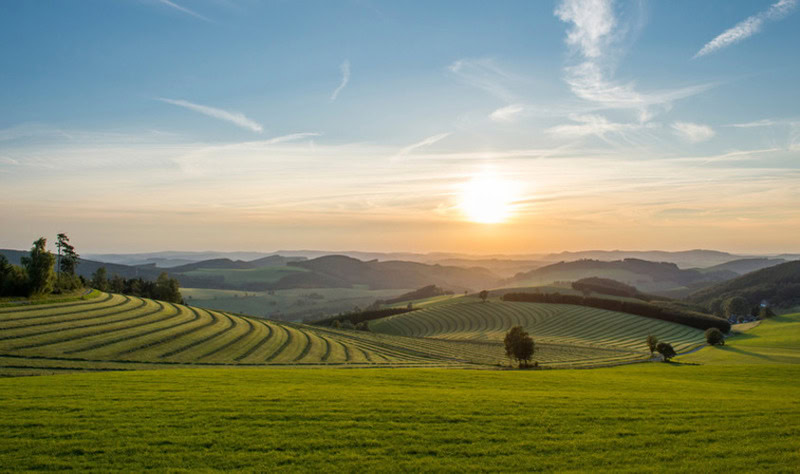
715 337
666 351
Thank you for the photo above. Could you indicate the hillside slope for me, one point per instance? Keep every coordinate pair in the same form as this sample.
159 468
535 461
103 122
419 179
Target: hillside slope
651 277
779 285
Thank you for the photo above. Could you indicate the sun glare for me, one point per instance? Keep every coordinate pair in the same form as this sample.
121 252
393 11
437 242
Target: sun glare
487 199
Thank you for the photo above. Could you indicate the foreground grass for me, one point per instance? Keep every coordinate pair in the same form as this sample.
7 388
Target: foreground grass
635 418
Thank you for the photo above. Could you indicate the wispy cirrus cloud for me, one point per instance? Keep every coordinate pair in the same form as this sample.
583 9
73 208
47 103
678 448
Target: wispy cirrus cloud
508 113
183 9
484 74
595 37
693 132
593 125
235 118
421 144
748 27
345 70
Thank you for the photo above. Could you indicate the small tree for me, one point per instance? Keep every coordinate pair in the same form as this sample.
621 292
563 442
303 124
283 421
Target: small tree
765 312
666 351
715 337
519 346
39 266
483 295
652 341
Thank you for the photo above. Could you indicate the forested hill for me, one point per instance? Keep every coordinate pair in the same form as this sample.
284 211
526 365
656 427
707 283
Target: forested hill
779 285
652 277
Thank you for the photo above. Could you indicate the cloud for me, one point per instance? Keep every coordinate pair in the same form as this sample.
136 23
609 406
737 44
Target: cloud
748 27
757 123
484 74
589 124
508 113
345 68
426 142
693 132
291 137
183 9
595 37
235 118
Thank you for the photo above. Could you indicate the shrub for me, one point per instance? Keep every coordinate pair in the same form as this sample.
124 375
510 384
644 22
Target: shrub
666 351
715 337
652 342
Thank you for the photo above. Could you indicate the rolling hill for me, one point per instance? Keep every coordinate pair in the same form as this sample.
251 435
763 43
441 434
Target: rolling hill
121 332
745 265
779 285
659 278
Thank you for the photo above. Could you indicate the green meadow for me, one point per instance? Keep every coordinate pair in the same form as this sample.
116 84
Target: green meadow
712 410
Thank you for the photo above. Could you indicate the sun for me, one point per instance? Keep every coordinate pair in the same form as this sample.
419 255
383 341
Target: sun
487 199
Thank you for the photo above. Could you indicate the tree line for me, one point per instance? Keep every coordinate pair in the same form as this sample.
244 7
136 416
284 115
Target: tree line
675 315
164 288
41 272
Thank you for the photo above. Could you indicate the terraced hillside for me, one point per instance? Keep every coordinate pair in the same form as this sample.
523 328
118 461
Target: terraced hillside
113 332
565 334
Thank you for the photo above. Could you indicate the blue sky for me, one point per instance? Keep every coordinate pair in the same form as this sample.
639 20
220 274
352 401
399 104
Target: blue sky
254 125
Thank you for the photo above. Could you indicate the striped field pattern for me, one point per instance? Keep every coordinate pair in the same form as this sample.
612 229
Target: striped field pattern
113 332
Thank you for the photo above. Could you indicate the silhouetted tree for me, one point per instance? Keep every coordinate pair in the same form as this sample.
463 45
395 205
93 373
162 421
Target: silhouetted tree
39 266
67 257
666 351
519 346
483 295
652 341
765 312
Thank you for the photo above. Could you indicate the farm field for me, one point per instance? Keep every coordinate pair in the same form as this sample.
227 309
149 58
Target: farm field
123 332
634 418
565 334
291 304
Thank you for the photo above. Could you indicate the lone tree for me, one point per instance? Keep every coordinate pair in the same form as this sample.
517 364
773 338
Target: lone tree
519 346
483 295
715 337
39 266
67 257
666 350
652 341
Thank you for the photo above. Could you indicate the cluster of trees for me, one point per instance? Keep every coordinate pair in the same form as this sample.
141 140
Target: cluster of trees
648 310
164 288
425 292
356 318
37 273
664 348
738 308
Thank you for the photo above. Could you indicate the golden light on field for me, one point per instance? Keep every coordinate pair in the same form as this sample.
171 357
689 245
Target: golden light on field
487 199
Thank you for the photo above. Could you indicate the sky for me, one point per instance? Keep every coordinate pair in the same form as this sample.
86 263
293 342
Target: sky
512 127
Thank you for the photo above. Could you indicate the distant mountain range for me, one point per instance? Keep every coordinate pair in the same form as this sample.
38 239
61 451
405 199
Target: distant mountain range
498 263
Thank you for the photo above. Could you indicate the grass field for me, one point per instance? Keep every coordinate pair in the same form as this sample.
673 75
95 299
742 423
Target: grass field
636 418
713 410
565 334
291 305
119 332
